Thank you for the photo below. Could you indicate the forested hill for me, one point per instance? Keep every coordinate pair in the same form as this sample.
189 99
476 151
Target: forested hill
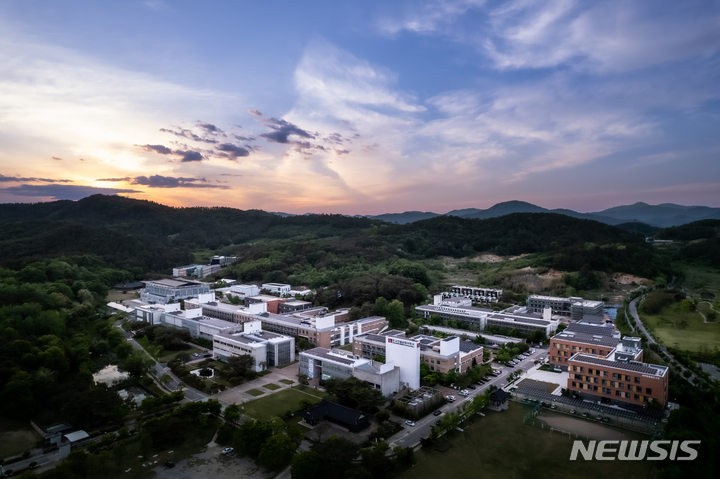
154 237
699 241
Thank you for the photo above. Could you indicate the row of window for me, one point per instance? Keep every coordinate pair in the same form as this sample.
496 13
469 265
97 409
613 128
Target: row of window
618 393
613 384
579 349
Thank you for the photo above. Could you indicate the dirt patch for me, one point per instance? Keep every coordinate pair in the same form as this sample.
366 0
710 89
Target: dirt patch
553 274
622 278
212 464
487 258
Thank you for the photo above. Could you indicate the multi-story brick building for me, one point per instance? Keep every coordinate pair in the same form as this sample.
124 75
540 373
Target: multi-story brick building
484 295
579 337
603 366
614 381
575 307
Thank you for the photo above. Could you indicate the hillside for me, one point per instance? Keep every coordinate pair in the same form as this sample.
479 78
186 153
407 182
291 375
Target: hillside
699 241
317 249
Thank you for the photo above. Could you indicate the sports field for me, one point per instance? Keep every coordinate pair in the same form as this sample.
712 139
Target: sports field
500 446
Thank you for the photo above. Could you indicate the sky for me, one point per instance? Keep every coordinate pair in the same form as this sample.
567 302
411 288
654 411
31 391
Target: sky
363 107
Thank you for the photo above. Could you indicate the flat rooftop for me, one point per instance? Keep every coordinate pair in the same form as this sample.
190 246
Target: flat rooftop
634 366
587 338
329 355
173 283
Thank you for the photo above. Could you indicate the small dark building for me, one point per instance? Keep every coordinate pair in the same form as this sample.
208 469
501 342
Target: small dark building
499 400
350 418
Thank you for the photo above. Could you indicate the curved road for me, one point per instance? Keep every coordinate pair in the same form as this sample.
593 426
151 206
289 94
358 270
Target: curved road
651 340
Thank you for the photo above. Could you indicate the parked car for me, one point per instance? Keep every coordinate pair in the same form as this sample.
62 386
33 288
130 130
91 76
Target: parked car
410 423
553 406
450 398
437 412
585 414
472 386
598 417
464 393
227 450
169 464
572 411
606 419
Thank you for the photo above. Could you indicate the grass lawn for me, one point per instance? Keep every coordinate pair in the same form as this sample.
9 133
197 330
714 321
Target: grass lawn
312 391
499 445
699 279
152 349
287 381
16 437
277 404
271 386
347 347
255 392
695 336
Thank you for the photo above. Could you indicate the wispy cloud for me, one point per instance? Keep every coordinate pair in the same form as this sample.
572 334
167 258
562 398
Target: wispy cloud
62 192
159 181
16 179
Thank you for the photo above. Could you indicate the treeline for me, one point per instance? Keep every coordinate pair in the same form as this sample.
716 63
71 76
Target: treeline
702 242
53 337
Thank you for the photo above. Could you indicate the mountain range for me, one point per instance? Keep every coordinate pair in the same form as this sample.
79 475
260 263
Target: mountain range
660 216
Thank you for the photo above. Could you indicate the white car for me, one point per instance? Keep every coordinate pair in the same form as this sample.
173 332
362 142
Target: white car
450 398
227 450
464 393
410 423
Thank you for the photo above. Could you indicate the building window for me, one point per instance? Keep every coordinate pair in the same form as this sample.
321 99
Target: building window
648 391
618 393
637 398
637 380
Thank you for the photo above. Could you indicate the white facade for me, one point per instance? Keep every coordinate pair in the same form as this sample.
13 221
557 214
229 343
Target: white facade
277 288
244 290
404 354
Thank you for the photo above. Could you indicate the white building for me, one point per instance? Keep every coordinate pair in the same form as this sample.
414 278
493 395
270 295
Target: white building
323 363
278 288
267 349
243 290
166 291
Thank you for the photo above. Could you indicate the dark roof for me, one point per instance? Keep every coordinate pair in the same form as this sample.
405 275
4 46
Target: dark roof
590 329
337 412
499 395
586 338
468 346
655 370
134 285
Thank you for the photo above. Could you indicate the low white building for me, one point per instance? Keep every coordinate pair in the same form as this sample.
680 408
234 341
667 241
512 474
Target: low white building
267 349
243 290
277 288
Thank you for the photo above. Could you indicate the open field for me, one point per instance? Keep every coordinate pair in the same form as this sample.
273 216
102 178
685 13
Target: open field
16 437
278 403
695 336
501 446
700 279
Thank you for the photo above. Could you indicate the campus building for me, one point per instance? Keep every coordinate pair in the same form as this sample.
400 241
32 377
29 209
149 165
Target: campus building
613 380
585 338
324 363
573 307
481 295
278 288
441 355
515 318
164 291
267 349
293 306
318 326
273 302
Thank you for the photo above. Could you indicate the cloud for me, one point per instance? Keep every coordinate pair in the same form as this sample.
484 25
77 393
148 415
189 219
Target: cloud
189 156
428 17
255 112
185 133
15 179
282 130
127 178
341 152
158 181
62 192
244 138
211 129
231 151
160 149
56 158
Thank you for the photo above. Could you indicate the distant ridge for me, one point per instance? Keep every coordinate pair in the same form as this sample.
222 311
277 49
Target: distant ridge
658 216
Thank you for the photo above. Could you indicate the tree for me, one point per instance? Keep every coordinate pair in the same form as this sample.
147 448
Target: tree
144 443
306 465
276 451
336 454
119 452
242 364
380 305
395 314
232 412
138 363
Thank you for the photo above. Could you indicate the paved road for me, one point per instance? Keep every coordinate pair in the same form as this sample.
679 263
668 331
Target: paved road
159 370
411 435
